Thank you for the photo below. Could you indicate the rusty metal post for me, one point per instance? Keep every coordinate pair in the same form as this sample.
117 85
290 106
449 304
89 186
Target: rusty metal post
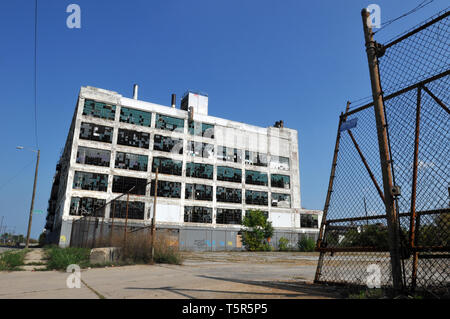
154 214
126 223
112 223
385 160
412 227
330 190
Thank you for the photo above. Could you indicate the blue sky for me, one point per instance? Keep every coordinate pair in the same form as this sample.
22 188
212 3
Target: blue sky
259 61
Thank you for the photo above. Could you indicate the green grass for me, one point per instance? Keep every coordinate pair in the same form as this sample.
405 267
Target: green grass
60 258
12 260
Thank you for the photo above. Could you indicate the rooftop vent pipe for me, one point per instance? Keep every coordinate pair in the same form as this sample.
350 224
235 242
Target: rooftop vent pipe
174 100
135 92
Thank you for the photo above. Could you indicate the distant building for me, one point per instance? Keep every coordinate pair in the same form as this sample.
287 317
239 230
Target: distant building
211 170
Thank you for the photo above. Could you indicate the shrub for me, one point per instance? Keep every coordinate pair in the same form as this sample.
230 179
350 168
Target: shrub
257 230
283 244
11 260
60 258
306 244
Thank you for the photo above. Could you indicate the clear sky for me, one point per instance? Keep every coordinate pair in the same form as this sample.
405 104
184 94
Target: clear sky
259 61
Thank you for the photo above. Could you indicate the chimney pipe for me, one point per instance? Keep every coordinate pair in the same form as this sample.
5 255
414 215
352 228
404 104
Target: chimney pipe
174 100
135 92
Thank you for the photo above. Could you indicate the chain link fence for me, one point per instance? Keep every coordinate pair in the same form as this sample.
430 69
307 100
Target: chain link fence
414 73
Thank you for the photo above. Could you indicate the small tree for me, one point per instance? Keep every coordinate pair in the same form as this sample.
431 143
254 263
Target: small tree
257 230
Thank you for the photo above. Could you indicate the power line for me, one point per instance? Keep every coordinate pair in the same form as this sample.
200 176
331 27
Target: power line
420 6
16 175
35 72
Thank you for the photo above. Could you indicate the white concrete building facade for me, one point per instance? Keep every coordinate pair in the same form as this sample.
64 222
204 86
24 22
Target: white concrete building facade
211 170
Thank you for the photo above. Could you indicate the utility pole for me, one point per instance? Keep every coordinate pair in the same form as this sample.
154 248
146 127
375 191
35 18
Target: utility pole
391 213
154 214
34 192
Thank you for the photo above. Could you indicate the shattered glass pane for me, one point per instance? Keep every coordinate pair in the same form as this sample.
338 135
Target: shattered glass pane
167 166
93 156
198 192
229 195
136 210
256 178
281 200
229 174
99 109
130 161
136 117
280 181
96 132
195 214
201 129
199 170
256 198
87 206
200 149
167 189
90 181
168 144
123 184
133 138
279 162
169 123
229 216
255 158
309 221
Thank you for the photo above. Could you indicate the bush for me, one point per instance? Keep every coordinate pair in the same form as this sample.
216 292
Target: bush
257 231
60 258
283 244
306 244
11 260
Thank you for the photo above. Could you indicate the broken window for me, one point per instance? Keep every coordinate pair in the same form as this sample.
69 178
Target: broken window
281 181
279 162
90 181
229 195
195 214
229 154
136 210
93 156
130 161
281 200
168 144
167 166
229 174
166 189
169 123
229 216
87 206
201 129
255 158
309 221
95 132
99 109
256 178
123 184
256 198
200 149
265 213
133 138
199 170
198 192
135 117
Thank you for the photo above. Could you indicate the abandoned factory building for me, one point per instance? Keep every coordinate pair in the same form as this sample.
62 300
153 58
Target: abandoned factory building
211 172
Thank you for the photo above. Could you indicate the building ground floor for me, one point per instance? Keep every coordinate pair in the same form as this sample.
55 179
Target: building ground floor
95 232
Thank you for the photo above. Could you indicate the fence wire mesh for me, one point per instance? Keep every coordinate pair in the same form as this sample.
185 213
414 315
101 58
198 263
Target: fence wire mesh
414 74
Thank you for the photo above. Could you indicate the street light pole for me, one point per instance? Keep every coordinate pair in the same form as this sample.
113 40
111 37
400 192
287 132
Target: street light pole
32 199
